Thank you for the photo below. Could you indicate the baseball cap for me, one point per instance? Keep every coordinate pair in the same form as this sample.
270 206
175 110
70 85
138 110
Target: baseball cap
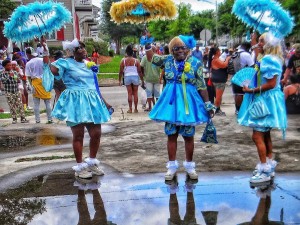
31 51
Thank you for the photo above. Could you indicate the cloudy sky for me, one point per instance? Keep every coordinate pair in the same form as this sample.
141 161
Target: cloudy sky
196 5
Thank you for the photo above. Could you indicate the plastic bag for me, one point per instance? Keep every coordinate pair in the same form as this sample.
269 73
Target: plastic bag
210 133
143 97
47 78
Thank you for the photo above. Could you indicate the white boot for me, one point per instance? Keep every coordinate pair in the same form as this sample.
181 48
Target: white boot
273 165
172 167
263 173
82 171
190 169
93 166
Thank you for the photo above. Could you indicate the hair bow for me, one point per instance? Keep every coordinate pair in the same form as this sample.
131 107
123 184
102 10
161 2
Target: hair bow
67 45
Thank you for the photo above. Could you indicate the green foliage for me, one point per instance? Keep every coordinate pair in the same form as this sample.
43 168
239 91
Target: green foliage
6 8
111 53
158 28
101 46
189 22
117 32
182 24
111 67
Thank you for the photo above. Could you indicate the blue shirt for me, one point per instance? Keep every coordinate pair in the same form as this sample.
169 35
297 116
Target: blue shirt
197 54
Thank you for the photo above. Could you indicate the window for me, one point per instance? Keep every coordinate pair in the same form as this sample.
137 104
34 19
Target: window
50 36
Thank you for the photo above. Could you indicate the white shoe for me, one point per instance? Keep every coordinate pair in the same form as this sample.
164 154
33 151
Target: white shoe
172 187
260 178
84 173
81 171
95 170
93 166
273 165
172 167
190 169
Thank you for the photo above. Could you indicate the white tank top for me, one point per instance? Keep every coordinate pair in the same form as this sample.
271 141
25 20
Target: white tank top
130 70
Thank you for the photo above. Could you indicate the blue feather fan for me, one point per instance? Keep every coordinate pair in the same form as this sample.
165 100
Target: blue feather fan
244 77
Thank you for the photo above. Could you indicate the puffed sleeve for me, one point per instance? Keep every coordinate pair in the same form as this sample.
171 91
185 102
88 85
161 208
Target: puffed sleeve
62 65
270 66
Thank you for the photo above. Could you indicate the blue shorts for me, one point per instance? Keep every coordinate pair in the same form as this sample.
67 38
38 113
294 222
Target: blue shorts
128 80
186 131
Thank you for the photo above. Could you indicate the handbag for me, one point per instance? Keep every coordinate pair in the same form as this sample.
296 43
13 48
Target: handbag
258 108
210 133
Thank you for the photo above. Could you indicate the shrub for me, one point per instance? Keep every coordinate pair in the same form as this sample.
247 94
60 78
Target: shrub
102 47
111 53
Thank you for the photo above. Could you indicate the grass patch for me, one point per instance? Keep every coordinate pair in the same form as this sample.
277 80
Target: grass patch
107 76
27 113
45 158
111 67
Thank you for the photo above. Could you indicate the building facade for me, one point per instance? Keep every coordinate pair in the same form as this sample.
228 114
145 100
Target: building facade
84 22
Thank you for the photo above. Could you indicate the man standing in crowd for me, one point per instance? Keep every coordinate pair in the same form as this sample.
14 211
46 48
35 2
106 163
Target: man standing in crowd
293 66
151 78
197 53
240 59
34 72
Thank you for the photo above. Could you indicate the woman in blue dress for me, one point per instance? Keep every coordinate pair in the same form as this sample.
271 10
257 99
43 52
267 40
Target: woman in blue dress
183 103
80 105
267 85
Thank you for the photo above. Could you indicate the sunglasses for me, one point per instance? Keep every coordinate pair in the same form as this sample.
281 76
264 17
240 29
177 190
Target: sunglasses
180 47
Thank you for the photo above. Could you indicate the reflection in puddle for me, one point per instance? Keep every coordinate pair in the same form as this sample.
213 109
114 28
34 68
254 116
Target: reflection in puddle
146 199
15 209
19 140
50 138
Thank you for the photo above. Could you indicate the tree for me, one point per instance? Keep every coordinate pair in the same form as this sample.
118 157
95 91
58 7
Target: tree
158 30
182 24
6 8
116 32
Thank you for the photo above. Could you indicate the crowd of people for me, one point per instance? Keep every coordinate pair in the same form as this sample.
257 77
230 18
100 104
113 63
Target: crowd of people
193 84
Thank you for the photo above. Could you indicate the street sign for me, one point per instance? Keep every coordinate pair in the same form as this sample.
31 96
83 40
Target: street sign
205 35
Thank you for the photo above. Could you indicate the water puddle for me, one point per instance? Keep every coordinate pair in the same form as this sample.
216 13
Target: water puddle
23 139
60 198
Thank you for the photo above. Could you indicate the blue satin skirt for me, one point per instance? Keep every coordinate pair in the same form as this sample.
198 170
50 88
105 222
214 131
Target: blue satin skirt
170 106
81 106
275 103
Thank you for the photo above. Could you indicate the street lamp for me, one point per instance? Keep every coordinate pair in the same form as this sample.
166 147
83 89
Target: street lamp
213 2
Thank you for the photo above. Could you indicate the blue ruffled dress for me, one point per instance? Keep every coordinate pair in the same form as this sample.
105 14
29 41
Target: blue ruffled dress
80 102
170 106
274 98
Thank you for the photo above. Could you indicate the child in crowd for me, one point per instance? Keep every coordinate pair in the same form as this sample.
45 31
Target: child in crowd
11 81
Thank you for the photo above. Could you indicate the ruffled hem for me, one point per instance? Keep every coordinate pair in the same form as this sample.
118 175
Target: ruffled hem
175 113
84 106
274 100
